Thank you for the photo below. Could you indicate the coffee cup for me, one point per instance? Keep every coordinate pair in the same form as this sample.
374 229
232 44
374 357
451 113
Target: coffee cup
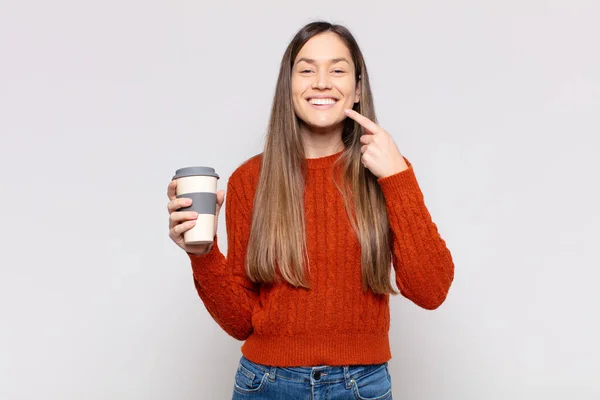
200 185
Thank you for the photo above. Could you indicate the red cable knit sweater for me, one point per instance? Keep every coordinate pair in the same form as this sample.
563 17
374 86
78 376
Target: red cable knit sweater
334 322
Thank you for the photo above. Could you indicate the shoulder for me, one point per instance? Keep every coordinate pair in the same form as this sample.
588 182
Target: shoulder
248 169
244 178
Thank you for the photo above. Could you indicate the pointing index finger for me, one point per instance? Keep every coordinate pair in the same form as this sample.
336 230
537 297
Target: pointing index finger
363 121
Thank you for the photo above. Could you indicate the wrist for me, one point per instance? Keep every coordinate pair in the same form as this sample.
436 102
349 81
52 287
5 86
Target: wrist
208 250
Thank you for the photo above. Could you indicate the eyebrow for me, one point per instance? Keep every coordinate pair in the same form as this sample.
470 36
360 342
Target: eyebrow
333 60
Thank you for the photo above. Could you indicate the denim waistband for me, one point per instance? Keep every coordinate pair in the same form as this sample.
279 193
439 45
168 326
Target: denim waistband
319 373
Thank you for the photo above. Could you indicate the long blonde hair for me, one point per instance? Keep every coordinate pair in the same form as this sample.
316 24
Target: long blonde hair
277 233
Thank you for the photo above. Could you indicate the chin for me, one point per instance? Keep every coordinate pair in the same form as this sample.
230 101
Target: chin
322 126
322 123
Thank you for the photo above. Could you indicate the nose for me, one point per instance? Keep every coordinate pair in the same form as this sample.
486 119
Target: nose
322 80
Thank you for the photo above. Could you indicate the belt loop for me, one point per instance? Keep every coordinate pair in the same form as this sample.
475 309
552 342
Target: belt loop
347 376
272 373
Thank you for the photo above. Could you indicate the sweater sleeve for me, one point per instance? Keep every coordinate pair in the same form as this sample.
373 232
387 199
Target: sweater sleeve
423 264
222 283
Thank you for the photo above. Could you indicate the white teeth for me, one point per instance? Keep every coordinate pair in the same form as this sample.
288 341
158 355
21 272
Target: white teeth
322 101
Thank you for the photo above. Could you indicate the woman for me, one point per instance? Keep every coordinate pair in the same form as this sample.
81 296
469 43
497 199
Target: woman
314 225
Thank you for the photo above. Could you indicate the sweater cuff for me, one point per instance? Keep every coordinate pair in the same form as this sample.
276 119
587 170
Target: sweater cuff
207 261
400 184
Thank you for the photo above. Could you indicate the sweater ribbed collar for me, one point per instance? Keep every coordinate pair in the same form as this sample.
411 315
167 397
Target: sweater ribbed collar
322 162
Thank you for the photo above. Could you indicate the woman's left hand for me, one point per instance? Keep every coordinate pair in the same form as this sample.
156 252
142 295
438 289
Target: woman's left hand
379 151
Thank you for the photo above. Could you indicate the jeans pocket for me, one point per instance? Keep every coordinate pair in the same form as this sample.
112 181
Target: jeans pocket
249 378
373 385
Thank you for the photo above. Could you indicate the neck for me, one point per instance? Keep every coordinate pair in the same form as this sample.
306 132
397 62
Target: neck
321 142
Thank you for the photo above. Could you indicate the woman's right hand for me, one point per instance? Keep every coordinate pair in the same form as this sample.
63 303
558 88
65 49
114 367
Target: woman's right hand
182 221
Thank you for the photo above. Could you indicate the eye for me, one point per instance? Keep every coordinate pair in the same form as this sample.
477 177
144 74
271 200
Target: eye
305 70
338 71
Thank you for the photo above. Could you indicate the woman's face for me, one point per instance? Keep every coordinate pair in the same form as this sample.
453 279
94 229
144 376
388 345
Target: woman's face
323 82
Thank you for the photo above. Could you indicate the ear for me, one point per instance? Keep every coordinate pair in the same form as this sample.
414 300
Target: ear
357 91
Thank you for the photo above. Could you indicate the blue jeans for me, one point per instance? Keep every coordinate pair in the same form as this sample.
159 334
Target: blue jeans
258 381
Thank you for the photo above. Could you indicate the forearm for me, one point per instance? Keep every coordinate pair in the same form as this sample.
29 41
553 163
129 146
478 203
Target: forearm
422 262
228 298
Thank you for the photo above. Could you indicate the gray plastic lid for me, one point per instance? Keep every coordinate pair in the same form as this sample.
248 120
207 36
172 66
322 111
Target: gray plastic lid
195 171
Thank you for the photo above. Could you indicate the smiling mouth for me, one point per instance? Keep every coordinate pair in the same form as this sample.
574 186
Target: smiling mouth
322 104
322 100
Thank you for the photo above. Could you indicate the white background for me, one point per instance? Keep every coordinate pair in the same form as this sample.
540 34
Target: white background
496 104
